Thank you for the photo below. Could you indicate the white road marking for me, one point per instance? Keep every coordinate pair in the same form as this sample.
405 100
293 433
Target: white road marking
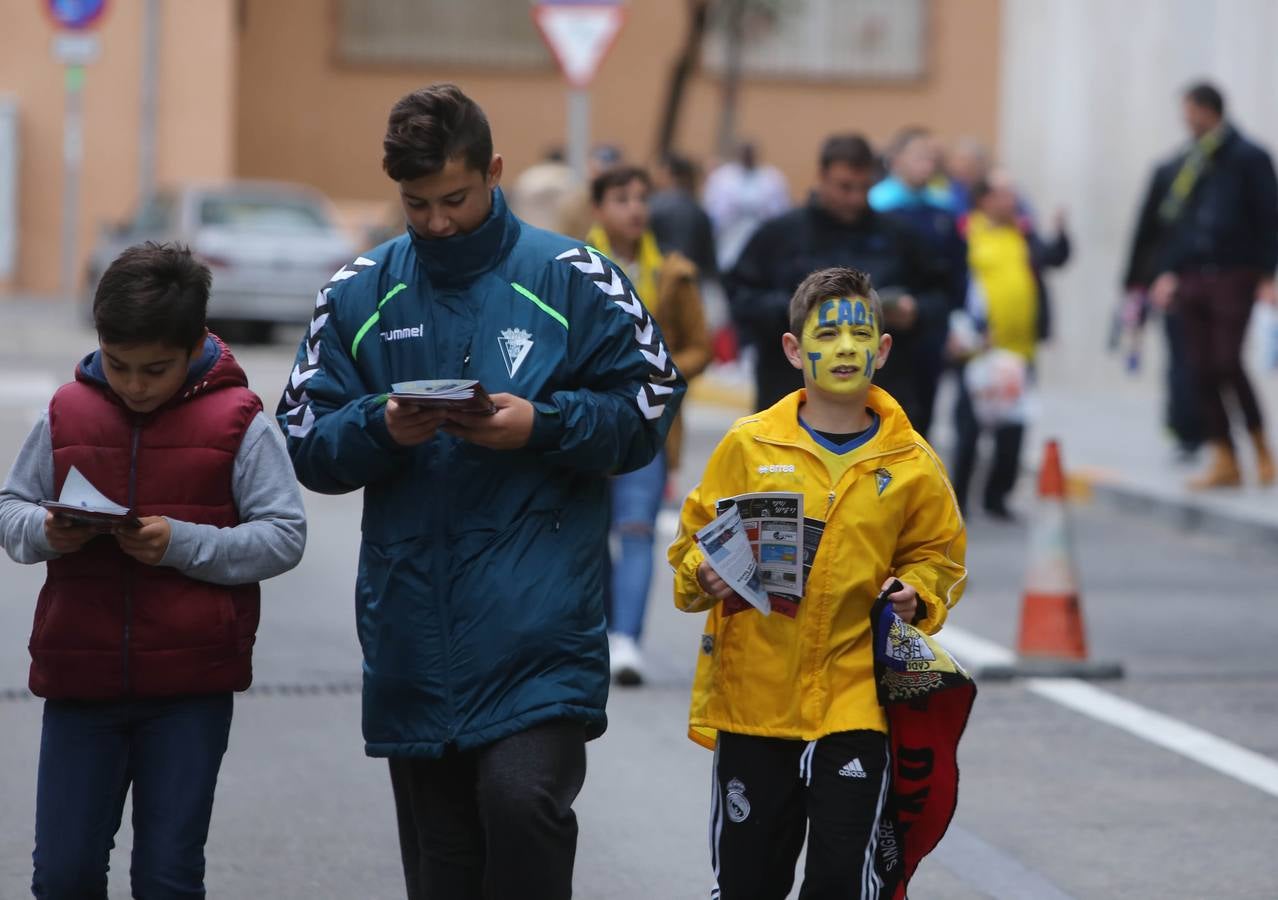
1194 743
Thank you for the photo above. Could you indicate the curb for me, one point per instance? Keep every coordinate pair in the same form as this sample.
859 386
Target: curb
1182 512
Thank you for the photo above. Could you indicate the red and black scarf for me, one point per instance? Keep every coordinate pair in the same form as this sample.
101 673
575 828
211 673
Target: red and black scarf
927 697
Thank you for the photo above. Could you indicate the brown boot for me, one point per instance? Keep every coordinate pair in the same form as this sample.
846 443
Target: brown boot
1264 459
1222 470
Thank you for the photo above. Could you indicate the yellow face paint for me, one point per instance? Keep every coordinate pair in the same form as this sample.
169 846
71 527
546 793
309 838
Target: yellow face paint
839 343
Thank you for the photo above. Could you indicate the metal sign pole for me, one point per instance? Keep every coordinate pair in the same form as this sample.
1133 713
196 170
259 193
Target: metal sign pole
150 81
75 46
578 130
72 160
579 34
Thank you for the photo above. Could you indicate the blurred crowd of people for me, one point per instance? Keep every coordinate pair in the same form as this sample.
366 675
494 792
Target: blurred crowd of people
953 249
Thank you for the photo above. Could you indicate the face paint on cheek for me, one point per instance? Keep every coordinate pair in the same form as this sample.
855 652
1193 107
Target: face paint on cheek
840 344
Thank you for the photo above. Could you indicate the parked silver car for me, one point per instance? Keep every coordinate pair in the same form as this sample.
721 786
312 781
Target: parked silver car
270 245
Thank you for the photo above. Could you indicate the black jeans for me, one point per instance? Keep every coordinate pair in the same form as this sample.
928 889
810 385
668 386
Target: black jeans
493 823
1006 465
768 791
1184 407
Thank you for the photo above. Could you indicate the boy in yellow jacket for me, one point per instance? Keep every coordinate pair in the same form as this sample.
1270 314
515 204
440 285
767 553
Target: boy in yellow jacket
788 700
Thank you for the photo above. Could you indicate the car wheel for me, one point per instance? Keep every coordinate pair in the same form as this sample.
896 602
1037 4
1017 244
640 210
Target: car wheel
239 331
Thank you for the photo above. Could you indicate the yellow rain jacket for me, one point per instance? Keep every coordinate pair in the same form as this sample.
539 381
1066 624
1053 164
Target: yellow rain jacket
892 512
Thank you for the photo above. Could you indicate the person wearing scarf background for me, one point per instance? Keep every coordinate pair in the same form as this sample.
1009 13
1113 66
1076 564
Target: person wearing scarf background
1218 248
667 285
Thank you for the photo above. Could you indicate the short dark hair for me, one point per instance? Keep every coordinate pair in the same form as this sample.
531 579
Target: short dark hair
850 149
153 293
431 126
683 171
1205 94
980 189
617 176
825 284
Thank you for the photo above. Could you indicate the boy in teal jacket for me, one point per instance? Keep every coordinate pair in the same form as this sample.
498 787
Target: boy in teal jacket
479 600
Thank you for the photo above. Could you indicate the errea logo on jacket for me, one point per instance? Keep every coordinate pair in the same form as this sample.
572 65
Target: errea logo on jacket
774 469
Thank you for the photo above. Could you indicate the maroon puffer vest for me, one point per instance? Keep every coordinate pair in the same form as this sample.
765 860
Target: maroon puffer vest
107 626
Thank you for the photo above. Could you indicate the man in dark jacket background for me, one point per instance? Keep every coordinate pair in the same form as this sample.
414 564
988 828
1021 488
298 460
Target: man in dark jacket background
1214 227
479 600
679 222
837 227
1182 411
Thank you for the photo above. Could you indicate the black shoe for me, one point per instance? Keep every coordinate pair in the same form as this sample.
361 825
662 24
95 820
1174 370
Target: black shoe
1000 512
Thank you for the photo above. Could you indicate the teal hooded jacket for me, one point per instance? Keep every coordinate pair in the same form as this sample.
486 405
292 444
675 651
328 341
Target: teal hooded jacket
479 598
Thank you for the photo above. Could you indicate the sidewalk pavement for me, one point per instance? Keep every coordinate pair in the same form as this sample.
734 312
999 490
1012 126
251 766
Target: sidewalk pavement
1113 443
1115 448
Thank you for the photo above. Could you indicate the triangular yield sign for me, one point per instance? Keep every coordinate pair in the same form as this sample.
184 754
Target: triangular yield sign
579 35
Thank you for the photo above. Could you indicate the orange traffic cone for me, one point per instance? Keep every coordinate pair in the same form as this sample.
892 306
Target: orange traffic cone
1052 639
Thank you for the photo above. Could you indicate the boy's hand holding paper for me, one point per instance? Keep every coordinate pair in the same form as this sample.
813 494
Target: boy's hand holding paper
415 410
81 504
508 428
458 395
411 423
149 543
730 556
65 536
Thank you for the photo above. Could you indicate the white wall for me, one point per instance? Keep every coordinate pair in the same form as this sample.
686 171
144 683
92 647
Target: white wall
8 187
1090 100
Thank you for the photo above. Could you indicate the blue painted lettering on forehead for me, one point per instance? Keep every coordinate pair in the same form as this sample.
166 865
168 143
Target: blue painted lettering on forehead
823 317
850 311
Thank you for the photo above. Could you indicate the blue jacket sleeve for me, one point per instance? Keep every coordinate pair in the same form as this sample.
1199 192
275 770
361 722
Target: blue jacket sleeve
334 422
626 390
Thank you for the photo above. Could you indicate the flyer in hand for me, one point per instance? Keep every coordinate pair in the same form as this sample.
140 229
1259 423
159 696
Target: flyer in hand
777 532
729 553
80 502
454 394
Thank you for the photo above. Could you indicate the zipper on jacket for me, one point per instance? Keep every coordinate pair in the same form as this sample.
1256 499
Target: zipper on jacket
129 563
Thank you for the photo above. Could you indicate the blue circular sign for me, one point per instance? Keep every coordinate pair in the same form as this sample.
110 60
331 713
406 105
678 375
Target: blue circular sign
76 14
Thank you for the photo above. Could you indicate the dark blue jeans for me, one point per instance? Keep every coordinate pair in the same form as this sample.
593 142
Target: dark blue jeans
90 753
636 500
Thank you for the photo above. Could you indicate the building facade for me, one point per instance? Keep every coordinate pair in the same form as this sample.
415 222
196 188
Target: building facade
299 90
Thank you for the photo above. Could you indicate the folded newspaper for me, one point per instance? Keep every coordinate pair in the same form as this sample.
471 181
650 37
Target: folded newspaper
779 537
455 394
80 502
728 551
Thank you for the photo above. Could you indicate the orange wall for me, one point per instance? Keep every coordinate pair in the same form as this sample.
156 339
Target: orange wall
304 116
194 107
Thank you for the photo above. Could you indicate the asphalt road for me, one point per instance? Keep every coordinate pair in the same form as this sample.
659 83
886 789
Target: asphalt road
1054 803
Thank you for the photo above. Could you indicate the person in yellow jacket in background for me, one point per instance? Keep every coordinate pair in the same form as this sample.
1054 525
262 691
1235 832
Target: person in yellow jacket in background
667 286
788 700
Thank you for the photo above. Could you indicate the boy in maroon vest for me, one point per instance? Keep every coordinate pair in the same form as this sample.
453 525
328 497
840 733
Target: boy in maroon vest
142 634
